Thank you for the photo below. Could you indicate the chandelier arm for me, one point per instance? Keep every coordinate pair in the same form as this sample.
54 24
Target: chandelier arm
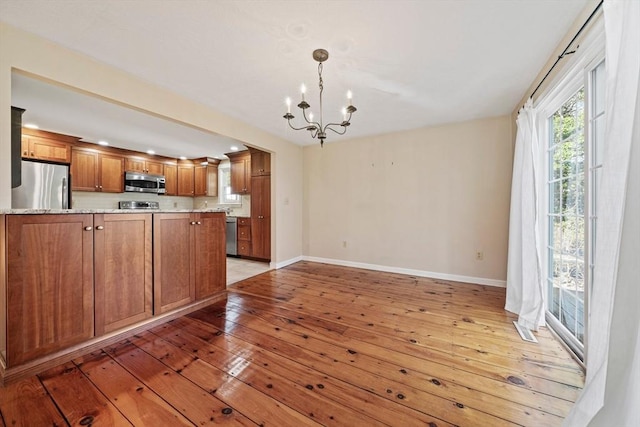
294 128
316 124
344 128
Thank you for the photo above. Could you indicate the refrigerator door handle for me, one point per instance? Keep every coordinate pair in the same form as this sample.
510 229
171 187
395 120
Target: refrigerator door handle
65 194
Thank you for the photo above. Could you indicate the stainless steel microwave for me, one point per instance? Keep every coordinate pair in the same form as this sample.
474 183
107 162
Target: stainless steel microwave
144 183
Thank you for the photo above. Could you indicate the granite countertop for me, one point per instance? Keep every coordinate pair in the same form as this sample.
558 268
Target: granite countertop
101 211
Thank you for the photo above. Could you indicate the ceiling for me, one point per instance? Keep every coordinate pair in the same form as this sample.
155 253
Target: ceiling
409 64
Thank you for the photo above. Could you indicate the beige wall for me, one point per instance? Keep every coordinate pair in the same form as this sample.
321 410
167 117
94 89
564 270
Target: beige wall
422 200
47 60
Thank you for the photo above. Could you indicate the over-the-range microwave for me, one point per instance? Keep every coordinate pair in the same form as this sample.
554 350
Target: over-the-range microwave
144 183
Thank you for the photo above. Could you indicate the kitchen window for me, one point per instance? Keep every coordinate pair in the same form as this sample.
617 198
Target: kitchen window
226 198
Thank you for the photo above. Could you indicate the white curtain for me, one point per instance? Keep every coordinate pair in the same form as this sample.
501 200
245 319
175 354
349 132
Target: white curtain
525 288
611 396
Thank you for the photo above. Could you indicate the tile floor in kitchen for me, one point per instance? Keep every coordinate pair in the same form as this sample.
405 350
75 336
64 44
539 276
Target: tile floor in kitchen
240 269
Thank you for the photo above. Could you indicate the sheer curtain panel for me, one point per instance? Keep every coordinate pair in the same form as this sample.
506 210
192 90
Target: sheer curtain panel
525 289
611 396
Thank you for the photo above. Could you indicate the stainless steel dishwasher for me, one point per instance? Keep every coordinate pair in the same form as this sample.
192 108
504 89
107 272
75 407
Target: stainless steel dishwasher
232 235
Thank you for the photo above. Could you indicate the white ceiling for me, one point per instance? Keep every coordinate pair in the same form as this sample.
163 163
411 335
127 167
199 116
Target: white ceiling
409 63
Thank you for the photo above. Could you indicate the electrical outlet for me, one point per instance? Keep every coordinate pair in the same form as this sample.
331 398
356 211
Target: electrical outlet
175 204
479 256
344 243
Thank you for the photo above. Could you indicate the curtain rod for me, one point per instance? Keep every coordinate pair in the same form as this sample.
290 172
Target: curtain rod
566 51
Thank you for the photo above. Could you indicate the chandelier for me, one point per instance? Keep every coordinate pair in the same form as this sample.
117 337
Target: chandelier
317 128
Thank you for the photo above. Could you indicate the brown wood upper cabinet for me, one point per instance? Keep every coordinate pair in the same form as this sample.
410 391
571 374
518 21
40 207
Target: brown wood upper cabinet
48 146
92 170
260 162
200 180
189 258
171 179
49 275
186 178
123 270
212 180
135 164
240 170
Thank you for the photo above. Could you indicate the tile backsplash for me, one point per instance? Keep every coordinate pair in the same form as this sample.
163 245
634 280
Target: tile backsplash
88 200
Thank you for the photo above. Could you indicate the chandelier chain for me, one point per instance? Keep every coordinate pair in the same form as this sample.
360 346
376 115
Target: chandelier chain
321 86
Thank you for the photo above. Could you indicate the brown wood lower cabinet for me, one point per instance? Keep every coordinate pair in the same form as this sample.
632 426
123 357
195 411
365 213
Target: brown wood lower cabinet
189 258
173 262
49 284
123 270
210 254
71 277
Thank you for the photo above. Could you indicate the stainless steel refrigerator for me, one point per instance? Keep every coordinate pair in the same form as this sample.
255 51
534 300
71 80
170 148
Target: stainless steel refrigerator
44 186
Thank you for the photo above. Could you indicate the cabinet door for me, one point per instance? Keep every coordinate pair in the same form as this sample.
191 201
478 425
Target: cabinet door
261 217
154 168
212 181
134 165
123 270
49 284
111 173
237 179
171 180
185 180
211 254
240 177
84 170
47 149
200 180
173 261
260 163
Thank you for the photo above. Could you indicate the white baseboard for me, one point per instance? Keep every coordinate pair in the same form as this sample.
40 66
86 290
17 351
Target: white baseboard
283 264
411 272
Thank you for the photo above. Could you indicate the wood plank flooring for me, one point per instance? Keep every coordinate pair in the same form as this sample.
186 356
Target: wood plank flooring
315 344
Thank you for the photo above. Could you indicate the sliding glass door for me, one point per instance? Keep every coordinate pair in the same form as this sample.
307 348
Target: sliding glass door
574 155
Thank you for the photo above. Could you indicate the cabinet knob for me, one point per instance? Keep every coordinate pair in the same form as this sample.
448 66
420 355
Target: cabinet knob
193 223
100 227
32 153
101 187
88 228
199 222
25 153
96 186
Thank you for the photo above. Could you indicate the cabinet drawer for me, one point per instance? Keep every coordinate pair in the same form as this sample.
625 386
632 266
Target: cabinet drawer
244 221
244 232
244 248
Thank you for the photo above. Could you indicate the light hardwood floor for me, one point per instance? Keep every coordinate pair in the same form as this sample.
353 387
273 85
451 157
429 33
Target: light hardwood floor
314 344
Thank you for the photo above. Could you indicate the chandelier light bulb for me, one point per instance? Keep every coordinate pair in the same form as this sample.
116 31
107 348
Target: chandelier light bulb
344 114
288 102
310 117
350 97
303 90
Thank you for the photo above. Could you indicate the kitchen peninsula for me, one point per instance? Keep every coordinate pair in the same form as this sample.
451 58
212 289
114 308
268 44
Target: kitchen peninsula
73 281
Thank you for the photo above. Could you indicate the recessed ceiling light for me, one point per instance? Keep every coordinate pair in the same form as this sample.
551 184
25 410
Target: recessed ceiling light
183 158
31 126
103 143
151 152
234 148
